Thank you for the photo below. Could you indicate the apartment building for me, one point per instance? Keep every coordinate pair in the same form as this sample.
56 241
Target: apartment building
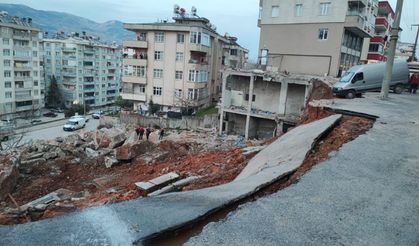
314 37
86 70
21 81
404 50
380 42
261 104
177 64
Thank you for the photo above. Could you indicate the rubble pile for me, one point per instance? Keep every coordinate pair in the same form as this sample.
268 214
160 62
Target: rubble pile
49 178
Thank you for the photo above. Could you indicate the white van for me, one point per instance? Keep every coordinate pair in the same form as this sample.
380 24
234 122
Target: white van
370 77
74 124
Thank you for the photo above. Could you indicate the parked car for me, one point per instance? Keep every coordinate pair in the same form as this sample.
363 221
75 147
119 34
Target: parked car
97 115
35 121
369 77
74 124
50 114
6 132
80 116
57 110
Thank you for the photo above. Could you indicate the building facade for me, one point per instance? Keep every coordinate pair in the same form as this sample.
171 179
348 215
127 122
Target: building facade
86 70
404 50
21 80
177 64
380 42
314 37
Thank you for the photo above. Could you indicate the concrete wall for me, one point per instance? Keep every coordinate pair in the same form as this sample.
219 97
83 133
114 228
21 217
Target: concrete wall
297 48
295 99
267 95
236 124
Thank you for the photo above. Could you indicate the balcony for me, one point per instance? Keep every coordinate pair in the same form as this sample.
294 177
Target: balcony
69 74
377 39
69 50
129 95
360 3
198 66
134 62
89 51
21 98
199 48
22 58
24 108
22 68
381 24
355 23
135 44
22 47
26 86
134 79
23 78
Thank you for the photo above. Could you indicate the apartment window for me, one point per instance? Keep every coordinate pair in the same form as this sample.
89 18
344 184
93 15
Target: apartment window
179 56
299 9
8 94
34 53
323 33
275 11
158 55
7 84
260 12
180 38
198 76
6 52
376 48
233 52
205 39
325 8
253 97
35 83
158 73
6 41
6 63
159 37
34 44
7 74
195 37
179 75
142 37
35 92
178 93
157 91
35 73
141 89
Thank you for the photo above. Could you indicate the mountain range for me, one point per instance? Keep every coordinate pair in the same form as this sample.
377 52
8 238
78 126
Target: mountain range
53 22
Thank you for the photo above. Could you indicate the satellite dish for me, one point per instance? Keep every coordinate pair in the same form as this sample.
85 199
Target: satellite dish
176 9
193 11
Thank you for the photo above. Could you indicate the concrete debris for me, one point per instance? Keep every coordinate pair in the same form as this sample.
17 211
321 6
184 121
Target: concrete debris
252 149
91 153
175 186
109 138
129 151
110 161
58 195
9 173
158 182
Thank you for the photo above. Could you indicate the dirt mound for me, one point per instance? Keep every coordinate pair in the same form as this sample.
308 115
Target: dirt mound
320 90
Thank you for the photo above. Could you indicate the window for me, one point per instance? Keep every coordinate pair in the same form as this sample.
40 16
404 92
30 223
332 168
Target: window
8 94
198 76
34 53
142 37
178 93
376 48
34 44
323 33
325 8
275 11
7 74
6 52
253 97
158 55
159 37
35 73
205 39
6 41
6 63
35 92
233 52
157 91
195 37
7 84
179 75
299 9
35 83
190 94
180 38
157 73
358 77
179 56
141 89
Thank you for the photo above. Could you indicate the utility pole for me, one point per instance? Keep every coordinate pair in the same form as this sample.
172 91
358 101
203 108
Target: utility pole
392 49
416 43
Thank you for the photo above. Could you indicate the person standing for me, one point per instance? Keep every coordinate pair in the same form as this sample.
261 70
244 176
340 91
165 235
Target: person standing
414 82
147 132
141 133
161 133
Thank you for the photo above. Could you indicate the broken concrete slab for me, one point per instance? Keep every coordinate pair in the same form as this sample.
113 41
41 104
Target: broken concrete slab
175 186
146 186
158 182
252 149
58 195
110 161
9 174
291 149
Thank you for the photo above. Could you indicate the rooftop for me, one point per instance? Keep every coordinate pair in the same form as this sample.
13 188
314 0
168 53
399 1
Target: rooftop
16 21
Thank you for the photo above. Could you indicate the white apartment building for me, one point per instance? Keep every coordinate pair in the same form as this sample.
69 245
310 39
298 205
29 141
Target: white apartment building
177 64
21 81
315 37
86 70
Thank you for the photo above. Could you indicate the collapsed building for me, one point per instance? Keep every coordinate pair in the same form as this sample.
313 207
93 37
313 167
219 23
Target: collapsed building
262 104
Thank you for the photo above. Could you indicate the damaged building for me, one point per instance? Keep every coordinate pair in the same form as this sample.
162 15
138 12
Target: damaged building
259 104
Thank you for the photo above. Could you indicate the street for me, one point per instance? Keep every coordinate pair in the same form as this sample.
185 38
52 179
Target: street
52 130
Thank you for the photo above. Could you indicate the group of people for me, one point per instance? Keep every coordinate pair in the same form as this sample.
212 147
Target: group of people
141 130
414 83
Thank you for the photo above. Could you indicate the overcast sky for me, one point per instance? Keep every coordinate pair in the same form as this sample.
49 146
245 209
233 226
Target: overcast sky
237 17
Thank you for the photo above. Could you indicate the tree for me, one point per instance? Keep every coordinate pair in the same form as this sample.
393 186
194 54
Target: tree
152 107
54 98
76 108
123 103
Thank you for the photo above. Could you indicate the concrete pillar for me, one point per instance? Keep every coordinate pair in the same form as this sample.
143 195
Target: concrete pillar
307 94
223 88
249 107
283 98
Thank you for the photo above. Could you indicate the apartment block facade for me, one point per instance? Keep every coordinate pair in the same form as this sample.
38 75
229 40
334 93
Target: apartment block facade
86 70
316 37
177 64
21 80
380 42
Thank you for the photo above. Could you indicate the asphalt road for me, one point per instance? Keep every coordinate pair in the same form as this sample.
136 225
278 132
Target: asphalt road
365 194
